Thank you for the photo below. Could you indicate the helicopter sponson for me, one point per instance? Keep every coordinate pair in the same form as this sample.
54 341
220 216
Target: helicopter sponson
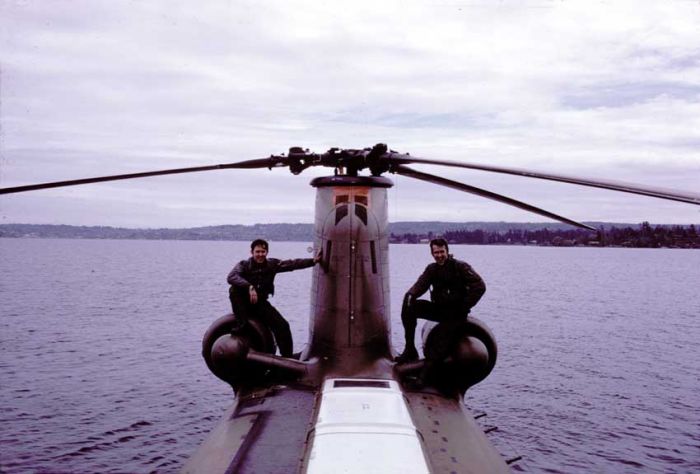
470 360
226 349
473 355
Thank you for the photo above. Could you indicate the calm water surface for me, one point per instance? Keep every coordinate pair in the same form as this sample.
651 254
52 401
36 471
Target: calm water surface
100 366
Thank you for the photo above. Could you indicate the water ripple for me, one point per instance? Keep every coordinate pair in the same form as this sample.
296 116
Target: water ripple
101 371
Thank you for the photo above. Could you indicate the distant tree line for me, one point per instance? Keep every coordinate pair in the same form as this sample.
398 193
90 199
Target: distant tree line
482 233
644 236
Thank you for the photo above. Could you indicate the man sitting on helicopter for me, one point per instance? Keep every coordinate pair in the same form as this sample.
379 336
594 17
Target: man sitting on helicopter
252 283
456 288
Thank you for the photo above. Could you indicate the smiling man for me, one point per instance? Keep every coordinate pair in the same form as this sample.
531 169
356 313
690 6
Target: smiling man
456 288
253 282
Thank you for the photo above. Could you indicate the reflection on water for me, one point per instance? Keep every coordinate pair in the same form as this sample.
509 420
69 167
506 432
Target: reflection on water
101 368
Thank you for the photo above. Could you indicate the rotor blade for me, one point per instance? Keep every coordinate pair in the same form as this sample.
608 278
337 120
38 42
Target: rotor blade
673 195
406 171
248 164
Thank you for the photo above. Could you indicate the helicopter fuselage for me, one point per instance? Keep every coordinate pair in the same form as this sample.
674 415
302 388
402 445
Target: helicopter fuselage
342 405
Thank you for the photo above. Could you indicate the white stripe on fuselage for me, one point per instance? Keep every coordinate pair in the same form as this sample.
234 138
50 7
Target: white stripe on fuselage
363 425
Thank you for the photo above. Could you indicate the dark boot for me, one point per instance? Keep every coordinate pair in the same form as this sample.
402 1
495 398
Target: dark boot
420 381
409 354
425 372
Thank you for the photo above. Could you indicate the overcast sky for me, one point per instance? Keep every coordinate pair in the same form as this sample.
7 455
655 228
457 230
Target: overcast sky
599 89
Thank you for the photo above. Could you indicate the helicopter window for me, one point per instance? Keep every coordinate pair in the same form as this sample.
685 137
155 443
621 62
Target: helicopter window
361 212
360 383
327 256
361 199
341 212
342 198
373 256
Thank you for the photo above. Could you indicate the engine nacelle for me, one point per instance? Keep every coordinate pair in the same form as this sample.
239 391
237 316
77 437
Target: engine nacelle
226 353
471 359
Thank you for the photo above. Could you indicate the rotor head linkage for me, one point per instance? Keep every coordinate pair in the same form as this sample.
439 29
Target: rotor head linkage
345 161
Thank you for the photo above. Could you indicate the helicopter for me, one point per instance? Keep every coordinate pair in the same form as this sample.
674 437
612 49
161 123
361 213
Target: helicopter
342 403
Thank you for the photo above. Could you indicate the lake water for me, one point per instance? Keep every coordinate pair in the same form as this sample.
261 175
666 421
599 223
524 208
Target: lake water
100 366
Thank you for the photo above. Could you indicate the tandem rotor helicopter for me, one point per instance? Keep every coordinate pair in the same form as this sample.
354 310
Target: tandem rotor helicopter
342 404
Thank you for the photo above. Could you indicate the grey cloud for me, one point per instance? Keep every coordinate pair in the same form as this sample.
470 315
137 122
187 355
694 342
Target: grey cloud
617 95
106 87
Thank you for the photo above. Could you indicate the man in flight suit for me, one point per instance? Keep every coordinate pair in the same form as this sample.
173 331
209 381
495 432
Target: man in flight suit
456 288
252 283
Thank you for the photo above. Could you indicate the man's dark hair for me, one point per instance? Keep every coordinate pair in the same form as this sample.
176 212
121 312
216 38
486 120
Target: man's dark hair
259 243
440 242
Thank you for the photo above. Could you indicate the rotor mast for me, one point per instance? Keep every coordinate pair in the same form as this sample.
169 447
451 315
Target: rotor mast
350 313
